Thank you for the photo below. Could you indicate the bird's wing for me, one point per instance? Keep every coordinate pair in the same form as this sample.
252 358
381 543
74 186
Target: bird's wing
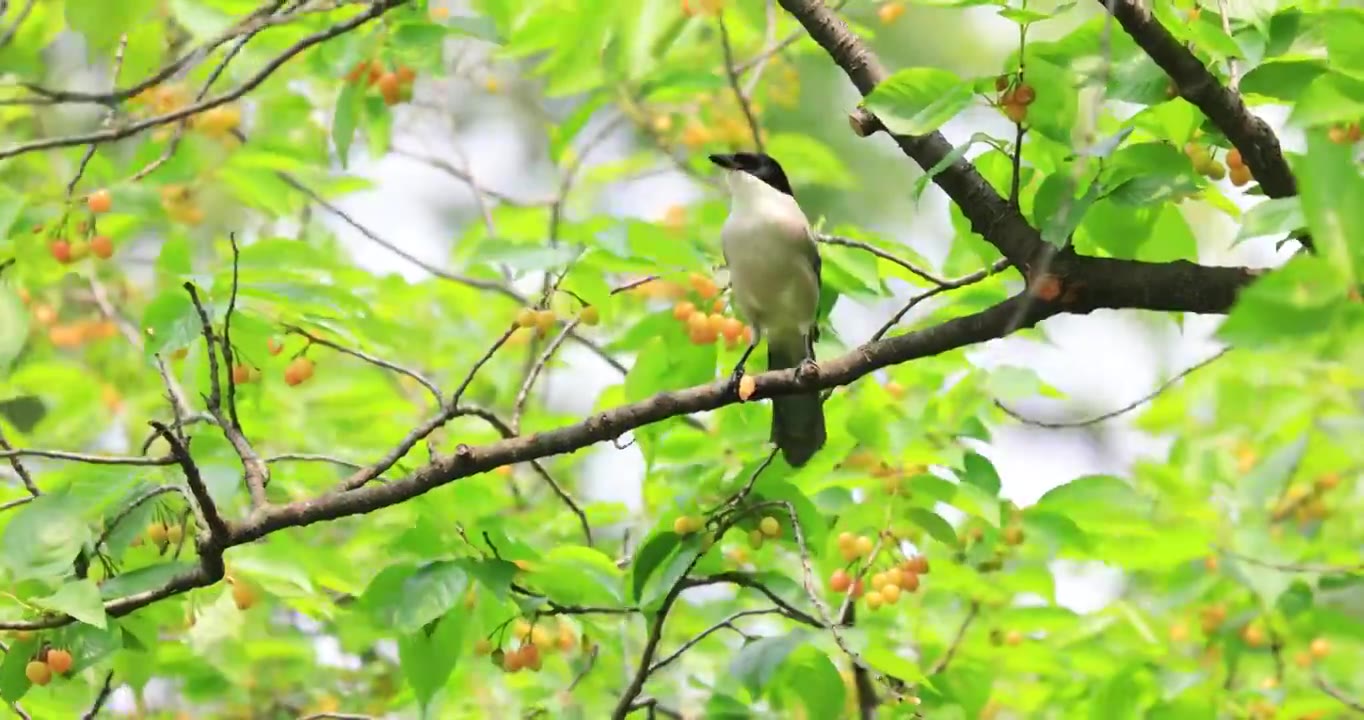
812 252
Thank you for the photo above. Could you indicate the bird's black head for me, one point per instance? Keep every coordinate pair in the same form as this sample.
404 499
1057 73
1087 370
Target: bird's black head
759 165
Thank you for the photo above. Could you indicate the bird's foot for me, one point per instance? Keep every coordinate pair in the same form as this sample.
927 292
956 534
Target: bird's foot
807 370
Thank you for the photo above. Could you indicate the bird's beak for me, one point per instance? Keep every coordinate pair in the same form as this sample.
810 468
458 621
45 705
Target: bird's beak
724 161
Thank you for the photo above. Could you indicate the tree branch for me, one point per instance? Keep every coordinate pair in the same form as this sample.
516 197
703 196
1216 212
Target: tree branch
990 215
1148 397
1257 142
256 473
375 10
746 580
740 96
1092 283
217 527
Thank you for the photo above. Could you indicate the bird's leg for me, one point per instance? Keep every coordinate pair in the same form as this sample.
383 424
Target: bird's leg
808 367
738 373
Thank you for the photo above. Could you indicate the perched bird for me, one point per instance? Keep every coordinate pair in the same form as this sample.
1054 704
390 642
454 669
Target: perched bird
774 277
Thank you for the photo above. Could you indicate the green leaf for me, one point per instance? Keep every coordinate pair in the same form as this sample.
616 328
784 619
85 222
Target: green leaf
917 101
143 579
1332 193
79 599
677 565
580 575
967 685
43 537
102 23
671 362
933 524
979 471
1297 301
809 161
494 574
1271 475
346 117
814 678
1056 209
1116 698
427 659
1342 28
957 153
650 555
1094 500
978 502
426 594
13 682
14 325
757 662
171 322
1274 216
1332 98
884 659
1284 79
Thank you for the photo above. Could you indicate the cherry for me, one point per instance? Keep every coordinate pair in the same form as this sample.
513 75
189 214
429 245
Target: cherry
59 660
38 672
102 246
99 201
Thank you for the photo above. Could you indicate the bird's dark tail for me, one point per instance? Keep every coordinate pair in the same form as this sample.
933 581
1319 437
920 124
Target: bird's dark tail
797 420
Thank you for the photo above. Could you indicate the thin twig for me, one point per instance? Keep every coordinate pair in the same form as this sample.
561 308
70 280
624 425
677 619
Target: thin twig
312 457
971 612
213 76
523 394
884 255
1114 413
769 42
371 359
256 473
108 120
377 9
591 663
115 96
733 74
963 281
741 579
727 623
1295 567
87 458
738 497
18 20
105 690
13 455
227 335
467 177
1335 692
134 504
508 432
217 527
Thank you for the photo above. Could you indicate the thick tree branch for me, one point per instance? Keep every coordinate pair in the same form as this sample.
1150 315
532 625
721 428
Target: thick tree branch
1222 105
990 215
1087 284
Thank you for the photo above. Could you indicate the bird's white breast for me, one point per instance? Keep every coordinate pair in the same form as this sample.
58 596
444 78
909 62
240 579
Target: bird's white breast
766 242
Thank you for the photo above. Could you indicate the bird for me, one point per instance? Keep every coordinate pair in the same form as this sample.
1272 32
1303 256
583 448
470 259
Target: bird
774 276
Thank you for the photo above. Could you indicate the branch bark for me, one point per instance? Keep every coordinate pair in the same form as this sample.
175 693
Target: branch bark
1001 225
1222 105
